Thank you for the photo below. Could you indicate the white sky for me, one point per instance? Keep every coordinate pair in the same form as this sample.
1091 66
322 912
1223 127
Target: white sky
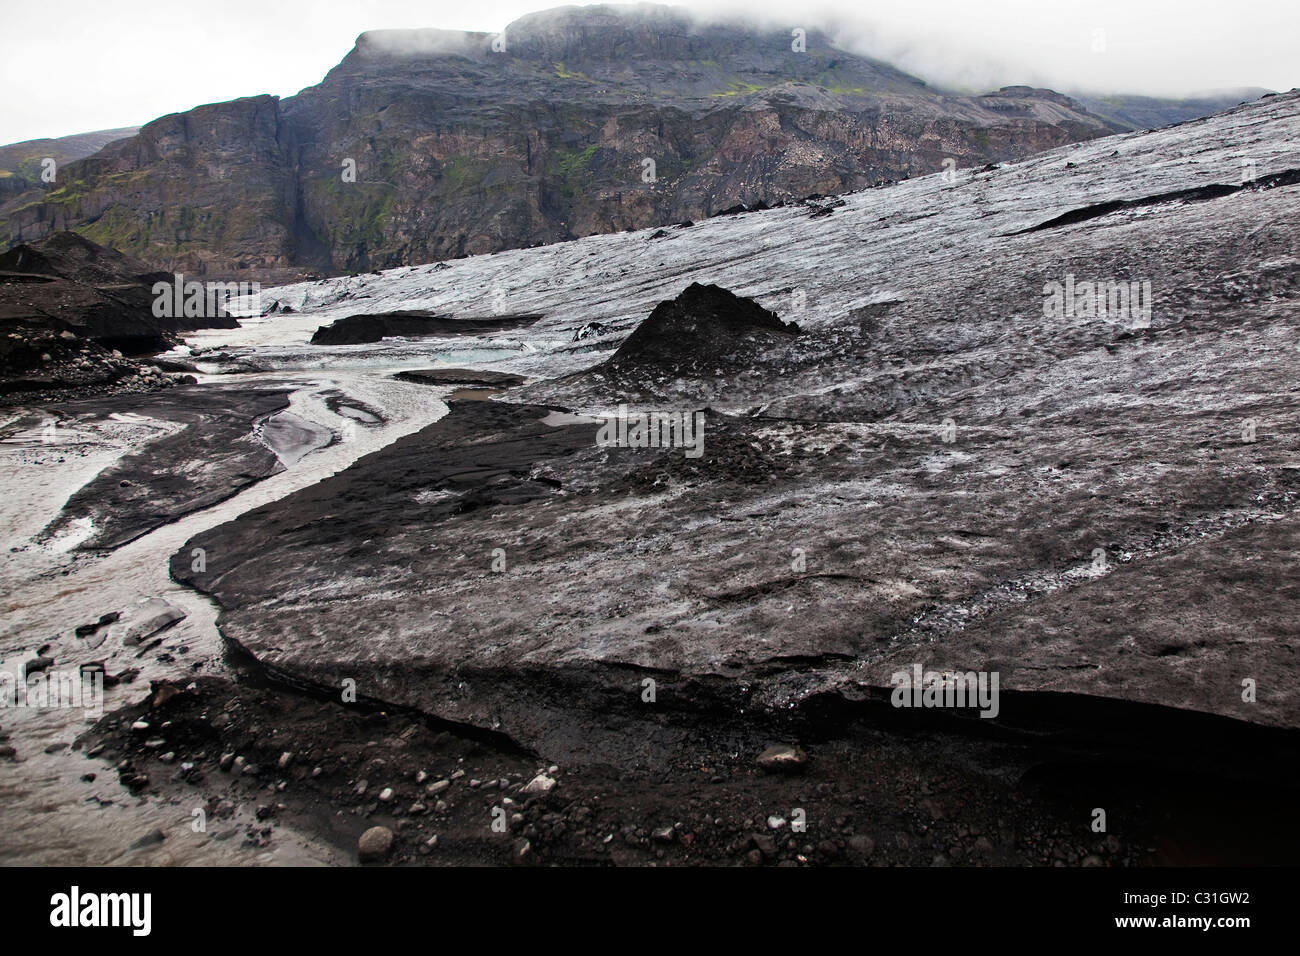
82 65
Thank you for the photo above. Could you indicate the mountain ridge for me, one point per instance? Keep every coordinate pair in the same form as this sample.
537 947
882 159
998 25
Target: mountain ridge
571 122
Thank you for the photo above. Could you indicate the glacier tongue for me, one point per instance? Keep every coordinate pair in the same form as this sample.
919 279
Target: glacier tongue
948 467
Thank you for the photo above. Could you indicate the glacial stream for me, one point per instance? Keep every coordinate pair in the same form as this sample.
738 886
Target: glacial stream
53 814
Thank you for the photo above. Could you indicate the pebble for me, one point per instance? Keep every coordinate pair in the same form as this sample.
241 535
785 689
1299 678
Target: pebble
539 784
152 838
375 844
763 844
36 665
782 758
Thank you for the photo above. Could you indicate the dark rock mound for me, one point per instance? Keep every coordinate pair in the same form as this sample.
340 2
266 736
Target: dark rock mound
460 376
65 282
39 365
114 318
68 255
362 329
705 328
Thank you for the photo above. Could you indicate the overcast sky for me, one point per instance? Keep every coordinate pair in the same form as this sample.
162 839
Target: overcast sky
82 65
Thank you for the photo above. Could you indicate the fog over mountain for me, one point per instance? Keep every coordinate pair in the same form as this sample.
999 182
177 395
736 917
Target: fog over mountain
1150 48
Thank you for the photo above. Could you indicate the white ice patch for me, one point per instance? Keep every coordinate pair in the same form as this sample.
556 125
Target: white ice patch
429 497
76 531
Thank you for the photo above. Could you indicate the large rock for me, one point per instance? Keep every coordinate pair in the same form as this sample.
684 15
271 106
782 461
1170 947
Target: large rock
701 331
782 758
375 845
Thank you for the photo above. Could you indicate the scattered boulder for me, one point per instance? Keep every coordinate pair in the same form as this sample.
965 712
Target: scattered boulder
540 784
85 630
151 617
375 845
37 665
862 845
704 329
590 330
152 838
782 758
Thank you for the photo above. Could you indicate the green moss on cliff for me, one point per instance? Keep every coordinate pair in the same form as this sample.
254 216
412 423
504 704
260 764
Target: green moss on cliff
462 172
566 74
118 228
570 171
739 88
573 162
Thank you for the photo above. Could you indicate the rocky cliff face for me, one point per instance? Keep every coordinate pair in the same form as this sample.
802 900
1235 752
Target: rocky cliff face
572 122
22 164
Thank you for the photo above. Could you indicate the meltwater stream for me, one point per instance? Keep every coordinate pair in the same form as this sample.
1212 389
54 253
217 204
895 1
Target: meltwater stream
53 816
